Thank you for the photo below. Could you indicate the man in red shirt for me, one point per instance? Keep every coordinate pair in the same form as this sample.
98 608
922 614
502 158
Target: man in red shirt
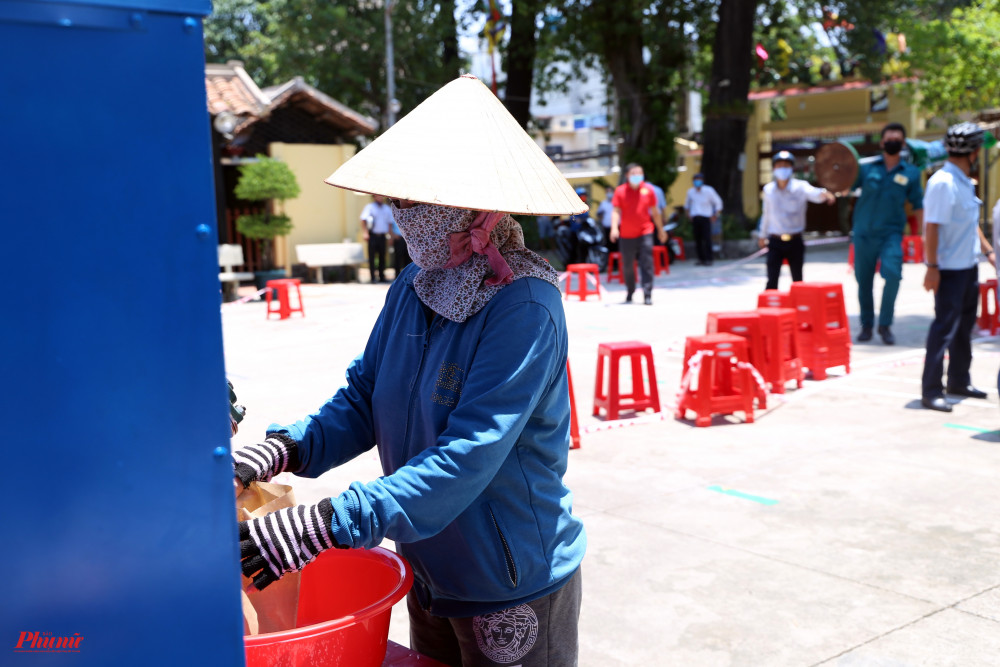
635 214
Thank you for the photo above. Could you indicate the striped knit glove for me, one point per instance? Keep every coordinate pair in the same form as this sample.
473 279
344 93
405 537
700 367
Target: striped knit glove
261 462
284 541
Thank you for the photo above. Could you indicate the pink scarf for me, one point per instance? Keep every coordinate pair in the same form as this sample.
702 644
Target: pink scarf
477 240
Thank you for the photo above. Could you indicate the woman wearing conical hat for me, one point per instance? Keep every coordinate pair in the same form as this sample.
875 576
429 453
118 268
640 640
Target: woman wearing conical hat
463 388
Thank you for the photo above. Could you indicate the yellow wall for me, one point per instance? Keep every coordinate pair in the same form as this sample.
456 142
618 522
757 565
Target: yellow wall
684 181
824 114
321 213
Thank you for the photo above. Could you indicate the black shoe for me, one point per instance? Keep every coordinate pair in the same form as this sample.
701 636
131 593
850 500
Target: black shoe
628 298
865 335
886 335
648 300
968 391
936 403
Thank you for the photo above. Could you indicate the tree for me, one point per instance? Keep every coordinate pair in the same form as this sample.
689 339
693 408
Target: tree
648 50
269 181
340 47
519 63
728 109
957 59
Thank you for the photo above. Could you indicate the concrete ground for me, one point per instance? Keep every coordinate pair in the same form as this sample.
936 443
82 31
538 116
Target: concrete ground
847 526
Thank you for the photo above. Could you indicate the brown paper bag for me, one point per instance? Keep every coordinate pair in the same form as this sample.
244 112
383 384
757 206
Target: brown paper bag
274 608
251 626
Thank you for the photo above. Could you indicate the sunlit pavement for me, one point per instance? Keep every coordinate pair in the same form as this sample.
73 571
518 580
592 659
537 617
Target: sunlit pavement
847 526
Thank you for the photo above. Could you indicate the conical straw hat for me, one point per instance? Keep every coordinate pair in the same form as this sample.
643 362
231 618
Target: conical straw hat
461 147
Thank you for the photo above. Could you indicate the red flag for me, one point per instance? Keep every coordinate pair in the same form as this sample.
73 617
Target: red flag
761 55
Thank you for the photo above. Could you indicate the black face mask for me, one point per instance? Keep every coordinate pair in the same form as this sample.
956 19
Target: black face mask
892 147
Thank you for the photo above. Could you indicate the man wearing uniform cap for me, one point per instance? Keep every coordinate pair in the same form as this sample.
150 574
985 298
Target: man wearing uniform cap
784 218
463 390
954 241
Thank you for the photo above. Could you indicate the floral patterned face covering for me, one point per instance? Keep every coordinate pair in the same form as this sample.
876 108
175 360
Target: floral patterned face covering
465 257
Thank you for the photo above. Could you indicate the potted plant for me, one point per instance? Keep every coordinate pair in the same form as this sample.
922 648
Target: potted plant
271 182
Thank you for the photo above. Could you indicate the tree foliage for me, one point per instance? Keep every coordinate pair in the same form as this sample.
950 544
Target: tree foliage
340 48
649 51
956 59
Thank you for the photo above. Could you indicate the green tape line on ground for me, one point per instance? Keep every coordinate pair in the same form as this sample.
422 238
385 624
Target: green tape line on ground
744 496
963 427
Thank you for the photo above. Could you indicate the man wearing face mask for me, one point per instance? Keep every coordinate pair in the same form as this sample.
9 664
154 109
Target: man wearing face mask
784 218
462 388
636 214
703 205
879 221
954 241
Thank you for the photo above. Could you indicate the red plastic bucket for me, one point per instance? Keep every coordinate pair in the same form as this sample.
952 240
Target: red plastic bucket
345 600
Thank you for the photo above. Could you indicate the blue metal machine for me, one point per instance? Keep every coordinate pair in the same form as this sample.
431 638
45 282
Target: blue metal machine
118 523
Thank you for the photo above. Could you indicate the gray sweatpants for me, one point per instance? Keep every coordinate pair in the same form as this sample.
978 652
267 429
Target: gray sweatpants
540 633
643 247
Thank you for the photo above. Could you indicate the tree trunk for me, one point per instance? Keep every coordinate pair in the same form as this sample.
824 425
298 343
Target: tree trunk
728 109
622 41
449 53
520 61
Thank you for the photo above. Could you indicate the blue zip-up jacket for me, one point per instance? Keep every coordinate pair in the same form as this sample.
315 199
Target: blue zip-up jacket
472 426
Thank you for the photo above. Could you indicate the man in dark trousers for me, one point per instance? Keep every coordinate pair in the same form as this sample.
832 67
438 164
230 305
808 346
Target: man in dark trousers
703 205
784 218
954 241
636 214
376 225
879 220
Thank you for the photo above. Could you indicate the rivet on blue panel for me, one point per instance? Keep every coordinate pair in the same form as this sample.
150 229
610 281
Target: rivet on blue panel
202 230
219 452
190 24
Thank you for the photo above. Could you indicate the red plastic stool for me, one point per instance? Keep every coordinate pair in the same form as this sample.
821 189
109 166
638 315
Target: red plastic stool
772 298
988 318
913 249
679 253
616 271
574 424
584 274
611 398
717 379
661 260
824 337
283 288
781 351
745 324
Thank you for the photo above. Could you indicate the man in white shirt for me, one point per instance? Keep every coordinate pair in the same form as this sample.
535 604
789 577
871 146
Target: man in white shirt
784 218
376 225
605 211
703 205
952 246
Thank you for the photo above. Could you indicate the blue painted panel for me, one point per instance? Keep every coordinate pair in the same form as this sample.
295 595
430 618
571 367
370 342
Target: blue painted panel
196 7
118 519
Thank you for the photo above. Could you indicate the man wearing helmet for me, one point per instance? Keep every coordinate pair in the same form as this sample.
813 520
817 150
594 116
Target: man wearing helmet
784 218
879 218
953 243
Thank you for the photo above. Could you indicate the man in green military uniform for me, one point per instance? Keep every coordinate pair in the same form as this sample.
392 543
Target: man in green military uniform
879 220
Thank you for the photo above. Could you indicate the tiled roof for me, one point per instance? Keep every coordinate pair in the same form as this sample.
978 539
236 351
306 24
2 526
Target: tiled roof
230 88
321 105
